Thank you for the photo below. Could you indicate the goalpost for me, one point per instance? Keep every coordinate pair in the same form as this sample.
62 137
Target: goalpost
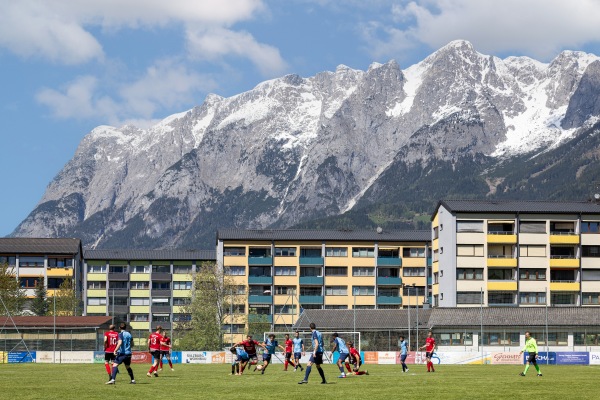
306 336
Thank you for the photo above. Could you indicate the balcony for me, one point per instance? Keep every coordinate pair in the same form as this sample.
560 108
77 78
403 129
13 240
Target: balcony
389 262
159 308
389 300
311 260
260 280
564 286
118 292
161 276
260 260
118 276
564 262
260 299
384 280
564 238
160 292
311 280
502 285
501 261
120 309
307 299
502 237
164 324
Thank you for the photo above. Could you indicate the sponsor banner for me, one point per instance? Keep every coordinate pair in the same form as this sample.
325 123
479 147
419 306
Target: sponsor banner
595 358
194 357
76 357
371 357
453 358
410 358
571 358
217 357
386 357
3 357
21 356
98 357
141 357
543 357
47 357
506 358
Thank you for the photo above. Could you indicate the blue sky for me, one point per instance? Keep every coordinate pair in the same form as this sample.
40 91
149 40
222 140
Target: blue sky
67 66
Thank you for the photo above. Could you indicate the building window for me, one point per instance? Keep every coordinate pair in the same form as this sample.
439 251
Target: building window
586 338
388 306
336 290
336 271
285 290
500 228
590 298
182 269
96 285
368 252
413 271
501 251
389 253
363 290
455 339
96 301
336 252
436 301
469 250
234 251
311 271
364 307
182 285
11 261
139 318
554 338
336 307
260 271
436 277
285 252
436 232
160 317
590 227
259 252
563 299
161 301
286 308
118 301
501 338
31 261
363 271
285 271
117 269
590 274
501 298
182 317
311 307
590 251
140 269
259 290
235 271
162 269
181 301
532 251
413 252
468 298
60 262
532 274
561 275
469 274
413 290
140 301
469 226
562 228
388 272
310 252
118 285
311 291
563 252
383 291
161 285
501 274
54 283
29 283
532 227
237 309
140 285
532 298
96 269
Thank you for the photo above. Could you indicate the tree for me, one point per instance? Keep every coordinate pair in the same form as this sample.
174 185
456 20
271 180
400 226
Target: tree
67 301
39 305
258 324
210 298
12 295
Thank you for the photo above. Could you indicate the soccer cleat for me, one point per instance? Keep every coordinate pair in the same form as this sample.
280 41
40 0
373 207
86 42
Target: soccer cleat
302 382
172 370
295 369
539 374
156 374
521 374
367 372
132 382
149 375
111 382
324 383
406 370
342 376
160 369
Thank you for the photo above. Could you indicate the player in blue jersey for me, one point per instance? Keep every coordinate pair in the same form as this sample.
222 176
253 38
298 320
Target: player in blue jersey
317 355
403 353
270 346
123 353
240 357
339 344
298 350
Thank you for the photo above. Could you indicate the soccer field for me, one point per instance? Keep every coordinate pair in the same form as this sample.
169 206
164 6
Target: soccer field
193 381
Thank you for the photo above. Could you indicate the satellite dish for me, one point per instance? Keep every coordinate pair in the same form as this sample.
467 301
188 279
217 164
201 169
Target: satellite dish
380 229
597 196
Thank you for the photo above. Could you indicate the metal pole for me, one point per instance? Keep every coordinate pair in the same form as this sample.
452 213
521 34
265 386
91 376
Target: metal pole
547 353
54 330
417 301
481 332
408 289
113 306
354 313
231 313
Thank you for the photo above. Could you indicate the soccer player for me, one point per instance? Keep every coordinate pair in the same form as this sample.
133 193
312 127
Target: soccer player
241 357
288 353
270 345
154 348
429 349
403 353
317 355
250 347
355 360
165 351
111 337
123 353
298 350
532 349
339 344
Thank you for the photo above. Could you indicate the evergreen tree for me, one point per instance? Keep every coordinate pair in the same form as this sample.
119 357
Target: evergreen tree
67 301
39 306
11 293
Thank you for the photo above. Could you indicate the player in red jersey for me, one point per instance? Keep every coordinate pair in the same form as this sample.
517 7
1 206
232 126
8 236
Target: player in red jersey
154 348
111 337
250 347
429 348
355 360
165 351
288 352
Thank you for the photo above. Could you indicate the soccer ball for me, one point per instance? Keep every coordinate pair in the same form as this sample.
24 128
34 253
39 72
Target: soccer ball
260 367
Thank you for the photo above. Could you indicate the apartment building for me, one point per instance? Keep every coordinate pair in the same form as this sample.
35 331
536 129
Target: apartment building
145 288
52 260
288 271
516 253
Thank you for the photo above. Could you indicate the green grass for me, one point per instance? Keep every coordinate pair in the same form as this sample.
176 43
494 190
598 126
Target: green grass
193 381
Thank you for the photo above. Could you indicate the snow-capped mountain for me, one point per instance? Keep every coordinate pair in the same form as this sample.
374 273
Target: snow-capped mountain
294 148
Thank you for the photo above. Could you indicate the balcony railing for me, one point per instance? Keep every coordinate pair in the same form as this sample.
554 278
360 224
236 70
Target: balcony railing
501 256
567 257
311 260
311 299
260 260
260 280
118 276
385 280
389 300
311 280
260 299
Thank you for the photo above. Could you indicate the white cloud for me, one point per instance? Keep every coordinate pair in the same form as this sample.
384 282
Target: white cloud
164 85
216 43
539 28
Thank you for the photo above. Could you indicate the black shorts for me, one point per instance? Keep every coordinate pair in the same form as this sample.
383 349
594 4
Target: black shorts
532 358
165 353
267 357
109 356
316 358
288 356
123 359
429 354
253 358
156 354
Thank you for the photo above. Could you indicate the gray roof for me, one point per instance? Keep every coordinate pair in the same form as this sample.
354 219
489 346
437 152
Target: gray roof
207 255
366 320
40 245
515 316
323 234
521 206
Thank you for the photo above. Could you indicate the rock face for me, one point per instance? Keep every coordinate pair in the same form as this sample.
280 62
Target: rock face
294 149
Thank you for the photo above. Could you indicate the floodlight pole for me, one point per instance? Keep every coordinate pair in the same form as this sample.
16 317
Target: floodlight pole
54 330
408 289
417 304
